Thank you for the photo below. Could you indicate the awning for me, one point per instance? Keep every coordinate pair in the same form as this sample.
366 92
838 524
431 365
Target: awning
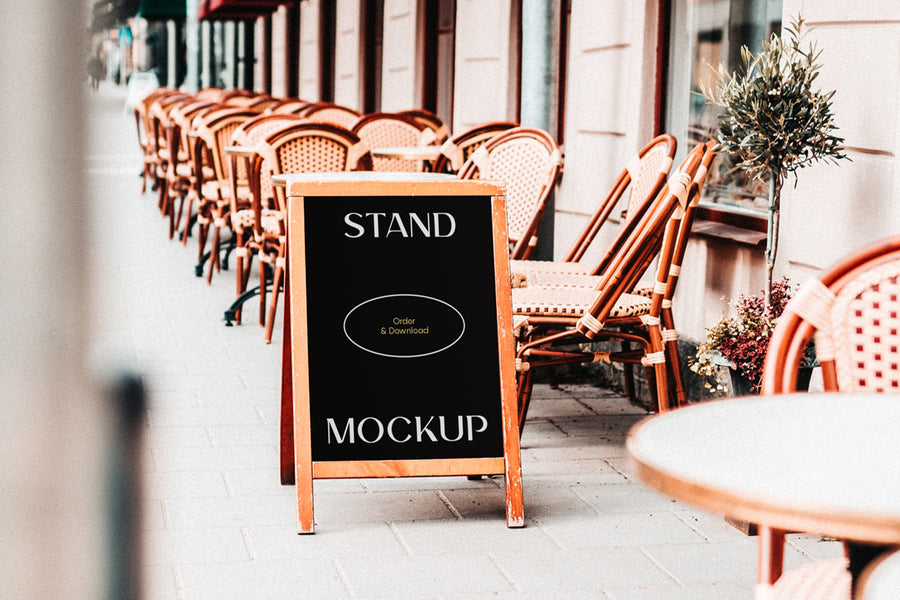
156 10
224 10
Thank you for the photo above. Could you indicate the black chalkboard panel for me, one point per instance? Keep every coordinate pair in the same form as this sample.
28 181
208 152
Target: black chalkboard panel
402 306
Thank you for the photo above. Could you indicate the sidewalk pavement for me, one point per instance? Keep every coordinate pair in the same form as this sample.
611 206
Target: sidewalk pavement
219 525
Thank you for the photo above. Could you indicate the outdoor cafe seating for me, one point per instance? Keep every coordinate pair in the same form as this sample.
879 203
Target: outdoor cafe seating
558 319
456 151
529 162
850 311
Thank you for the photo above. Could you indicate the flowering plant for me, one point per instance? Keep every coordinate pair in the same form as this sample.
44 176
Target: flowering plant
741 341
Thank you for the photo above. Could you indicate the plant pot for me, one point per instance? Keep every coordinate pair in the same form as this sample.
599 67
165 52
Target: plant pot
741 386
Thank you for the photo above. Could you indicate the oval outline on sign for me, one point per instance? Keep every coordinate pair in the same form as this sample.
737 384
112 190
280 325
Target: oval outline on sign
386 355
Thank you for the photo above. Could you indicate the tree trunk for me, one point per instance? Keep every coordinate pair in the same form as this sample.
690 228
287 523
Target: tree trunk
775 182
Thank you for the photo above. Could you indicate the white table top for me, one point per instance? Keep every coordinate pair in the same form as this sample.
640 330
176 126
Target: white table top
820 463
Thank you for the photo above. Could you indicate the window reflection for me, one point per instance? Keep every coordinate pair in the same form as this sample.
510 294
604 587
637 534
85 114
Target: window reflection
705 33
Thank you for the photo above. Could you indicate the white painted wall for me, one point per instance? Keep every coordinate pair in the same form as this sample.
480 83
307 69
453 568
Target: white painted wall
309 51
484 64
400 81
836 208
348 89
609 106
279 85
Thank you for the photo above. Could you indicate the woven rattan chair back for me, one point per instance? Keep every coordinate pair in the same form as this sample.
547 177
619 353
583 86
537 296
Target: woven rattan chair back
253 132
262 103
308 148
456 150
289 106
529 162
301 148
210 93
642 179
378 130
215 134
851 310
332 114
432 123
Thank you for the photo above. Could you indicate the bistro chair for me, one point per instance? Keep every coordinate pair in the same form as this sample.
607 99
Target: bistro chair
179 180
210 138
159 121
529 162
436 132
189 131
635 190
850 311
289 106
665 283
242 212
456 150
557 323
146 137
301 148
333 114
378 130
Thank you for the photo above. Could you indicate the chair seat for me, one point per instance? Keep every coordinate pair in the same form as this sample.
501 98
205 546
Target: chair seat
566 279
565 301
271 219
221 189
822 580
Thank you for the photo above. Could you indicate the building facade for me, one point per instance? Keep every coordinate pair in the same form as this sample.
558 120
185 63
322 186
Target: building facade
604 78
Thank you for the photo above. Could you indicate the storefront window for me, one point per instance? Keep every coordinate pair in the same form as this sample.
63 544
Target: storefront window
703 34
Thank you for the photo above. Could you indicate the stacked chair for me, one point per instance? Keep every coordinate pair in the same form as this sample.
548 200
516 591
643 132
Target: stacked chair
210 138
457 150
633 193
387 129
529 162
436 132
301 148
558 320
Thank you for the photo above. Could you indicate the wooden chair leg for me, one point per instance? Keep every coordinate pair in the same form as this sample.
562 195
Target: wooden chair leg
263 284
273 304
524 386
186 227
771 554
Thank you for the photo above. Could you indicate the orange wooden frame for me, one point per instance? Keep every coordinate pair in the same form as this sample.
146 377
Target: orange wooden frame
297 465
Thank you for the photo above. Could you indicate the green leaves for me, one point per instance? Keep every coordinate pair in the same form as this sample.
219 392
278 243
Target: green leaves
773 120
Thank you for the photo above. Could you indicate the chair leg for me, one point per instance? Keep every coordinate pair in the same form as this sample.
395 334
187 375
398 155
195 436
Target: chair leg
202 234
524 386
276 284
263 284
186 228
679 397
771 554
213 252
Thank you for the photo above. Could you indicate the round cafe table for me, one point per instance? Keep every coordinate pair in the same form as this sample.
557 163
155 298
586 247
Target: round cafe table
816 463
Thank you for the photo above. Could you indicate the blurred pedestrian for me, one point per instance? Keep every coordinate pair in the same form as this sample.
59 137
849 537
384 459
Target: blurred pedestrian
96 70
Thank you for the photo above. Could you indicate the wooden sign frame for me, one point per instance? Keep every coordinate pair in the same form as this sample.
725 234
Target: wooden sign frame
298 464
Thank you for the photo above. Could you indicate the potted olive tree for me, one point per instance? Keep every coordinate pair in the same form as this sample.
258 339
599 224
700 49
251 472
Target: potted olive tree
773 121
